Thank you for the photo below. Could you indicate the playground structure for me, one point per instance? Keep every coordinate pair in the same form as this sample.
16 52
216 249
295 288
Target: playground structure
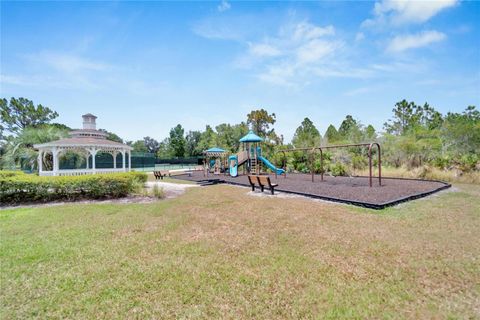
354 190
214 159
313 151
250 157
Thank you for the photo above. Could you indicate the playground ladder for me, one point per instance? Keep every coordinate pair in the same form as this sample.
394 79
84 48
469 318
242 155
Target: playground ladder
254 164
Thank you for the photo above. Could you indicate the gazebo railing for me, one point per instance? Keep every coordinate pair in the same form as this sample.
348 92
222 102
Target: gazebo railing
81 172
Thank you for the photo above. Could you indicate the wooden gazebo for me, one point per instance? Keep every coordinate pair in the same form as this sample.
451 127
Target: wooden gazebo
87 141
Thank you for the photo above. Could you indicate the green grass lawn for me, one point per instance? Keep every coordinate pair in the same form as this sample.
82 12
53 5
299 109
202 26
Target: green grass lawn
217 252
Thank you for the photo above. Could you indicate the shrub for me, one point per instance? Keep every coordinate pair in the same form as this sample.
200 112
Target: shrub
338 169
359 162
158 192
29 188
10 173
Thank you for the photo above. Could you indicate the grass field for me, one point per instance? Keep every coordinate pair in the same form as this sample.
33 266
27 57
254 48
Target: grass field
218 252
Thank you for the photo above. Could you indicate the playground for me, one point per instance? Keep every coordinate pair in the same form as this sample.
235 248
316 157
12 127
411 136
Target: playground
350 190
372 191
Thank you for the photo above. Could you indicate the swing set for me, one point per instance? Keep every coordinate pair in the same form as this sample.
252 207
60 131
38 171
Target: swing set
315 150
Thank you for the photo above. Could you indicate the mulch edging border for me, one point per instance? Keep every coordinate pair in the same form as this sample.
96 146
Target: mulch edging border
368 205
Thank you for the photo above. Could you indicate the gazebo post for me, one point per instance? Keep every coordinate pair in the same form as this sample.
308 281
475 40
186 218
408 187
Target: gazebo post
123 160
55 161
129 161
114 154
94 165
40 162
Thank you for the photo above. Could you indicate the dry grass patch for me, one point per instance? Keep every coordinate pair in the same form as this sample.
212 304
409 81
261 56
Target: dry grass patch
218 252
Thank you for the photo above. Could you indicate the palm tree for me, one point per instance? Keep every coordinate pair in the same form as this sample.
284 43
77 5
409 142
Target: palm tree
19 149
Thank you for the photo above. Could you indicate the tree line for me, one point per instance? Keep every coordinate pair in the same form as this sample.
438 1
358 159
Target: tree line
414 135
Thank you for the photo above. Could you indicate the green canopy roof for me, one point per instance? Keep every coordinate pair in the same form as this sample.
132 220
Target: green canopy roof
215 150
251 137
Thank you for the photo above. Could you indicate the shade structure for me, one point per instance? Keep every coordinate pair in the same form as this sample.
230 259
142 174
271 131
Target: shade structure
88 142
251 137
214 150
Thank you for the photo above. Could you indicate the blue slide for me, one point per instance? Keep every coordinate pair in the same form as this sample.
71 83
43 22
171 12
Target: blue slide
271 166
233 164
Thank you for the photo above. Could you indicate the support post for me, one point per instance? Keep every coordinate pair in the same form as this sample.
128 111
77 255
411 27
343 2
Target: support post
40 162
123 161
94 166
55 161
312 163
114 154
379 165
129 160
370 165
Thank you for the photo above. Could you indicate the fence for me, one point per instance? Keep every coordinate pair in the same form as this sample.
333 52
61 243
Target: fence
140 162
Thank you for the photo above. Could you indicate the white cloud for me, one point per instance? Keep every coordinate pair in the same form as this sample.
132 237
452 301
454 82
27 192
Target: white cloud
67 63
308 31
223 27
401 12
295 53
315 50
405 42
359 36
223 6
264 50
279 74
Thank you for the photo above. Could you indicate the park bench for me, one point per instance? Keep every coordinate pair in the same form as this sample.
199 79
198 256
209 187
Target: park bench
160 174
262 181
252 180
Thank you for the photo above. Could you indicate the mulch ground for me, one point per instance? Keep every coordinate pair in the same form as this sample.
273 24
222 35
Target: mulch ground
351 190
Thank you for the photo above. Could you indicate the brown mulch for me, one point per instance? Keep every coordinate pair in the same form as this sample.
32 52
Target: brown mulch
352 190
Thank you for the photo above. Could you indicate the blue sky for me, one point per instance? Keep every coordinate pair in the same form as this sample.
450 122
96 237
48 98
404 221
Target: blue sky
144 67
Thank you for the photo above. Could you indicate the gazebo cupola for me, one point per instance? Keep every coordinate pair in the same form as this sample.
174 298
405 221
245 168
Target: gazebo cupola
89 122
88 141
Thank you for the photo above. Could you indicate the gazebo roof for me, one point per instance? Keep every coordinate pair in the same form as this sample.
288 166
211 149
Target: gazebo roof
215 150
83 142
87 137
251 137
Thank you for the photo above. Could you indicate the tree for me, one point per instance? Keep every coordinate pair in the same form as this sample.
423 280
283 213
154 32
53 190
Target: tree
430 118
461 132
351 130
112 136
21 113
225 138
332 134
347 126
192 140
177 141
239 130
151 144
19 149
406 116
207 139
260 121
370 133
139 146
306 135
164 150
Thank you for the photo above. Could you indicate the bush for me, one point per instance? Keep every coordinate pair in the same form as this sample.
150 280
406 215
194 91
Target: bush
359 162
9 173
158 192
338 169
29 188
